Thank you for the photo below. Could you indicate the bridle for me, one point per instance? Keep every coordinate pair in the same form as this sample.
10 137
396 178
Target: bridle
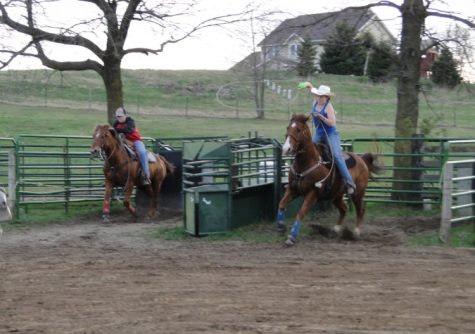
300 149
101 154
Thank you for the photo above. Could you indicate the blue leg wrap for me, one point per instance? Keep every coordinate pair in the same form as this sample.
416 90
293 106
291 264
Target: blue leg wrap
295 229
280 216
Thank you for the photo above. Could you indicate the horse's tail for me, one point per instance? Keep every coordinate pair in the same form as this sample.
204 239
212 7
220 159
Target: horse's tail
373 163
168 165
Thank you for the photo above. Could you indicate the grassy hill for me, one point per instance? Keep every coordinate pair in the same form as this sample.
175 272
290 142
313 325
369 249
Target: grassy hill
203 103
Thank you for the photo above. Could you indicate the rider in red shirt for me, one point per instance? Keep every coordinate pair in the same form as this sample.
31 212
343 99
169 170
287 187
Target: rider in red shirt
126 125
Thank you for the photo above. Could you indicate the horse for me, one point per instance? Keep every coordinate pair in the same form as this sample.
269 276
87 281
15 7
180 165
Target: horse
4 203
120 169
315 179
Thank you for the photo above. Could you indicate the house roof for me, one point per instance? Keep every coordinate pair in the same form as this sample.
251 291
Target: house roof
319 26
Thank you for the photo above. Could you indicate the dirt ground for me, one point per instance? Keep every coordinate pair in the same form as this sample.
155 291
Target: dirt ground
90 277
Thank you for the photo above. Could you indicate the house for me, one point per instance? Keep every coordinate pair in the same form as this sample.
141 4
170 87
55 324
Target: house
281 45
430 53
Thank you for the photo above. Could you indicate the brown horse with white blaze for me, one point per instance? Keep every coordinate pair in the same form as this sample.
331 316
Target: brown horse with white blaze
315 179
123 171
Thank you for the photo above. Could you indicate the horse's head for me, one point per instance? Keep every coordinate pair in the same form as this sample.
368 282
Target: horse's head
298 134
103 139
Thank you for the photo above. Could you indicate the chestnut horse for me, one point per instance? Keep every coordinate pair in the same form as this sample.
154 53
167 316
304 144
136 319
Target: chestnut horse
314 179
122 170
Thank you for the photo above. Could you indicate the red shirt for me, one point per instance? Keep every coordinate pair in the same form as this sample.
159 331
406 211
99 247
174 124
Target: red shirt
128 127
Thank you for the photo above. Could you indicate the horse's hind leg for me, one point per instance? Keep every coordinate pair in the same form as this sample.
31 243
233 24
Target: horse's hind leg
360 211
156 186
342 208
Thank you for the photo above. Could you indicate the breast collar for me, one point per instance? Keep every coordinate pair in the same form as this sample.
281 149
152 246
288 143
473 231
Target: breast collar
308 171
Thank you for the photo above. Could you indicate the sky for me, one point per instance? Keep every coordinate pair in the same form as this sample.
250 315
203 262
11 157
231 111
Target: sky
216 49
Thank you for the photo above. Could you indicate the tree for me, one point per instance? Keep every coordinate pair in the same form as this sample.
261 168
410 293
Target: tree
306 55
414 14
254 67
444 70
344 53
381 64
109 25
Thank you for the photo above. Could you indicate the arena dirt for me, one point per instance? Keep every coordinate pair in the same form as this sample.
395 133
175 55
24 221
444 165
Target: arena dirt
90 277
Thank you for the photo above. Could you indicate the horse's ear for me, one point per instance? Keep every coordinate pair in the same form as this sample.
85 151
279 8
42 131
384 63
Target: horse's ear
112 132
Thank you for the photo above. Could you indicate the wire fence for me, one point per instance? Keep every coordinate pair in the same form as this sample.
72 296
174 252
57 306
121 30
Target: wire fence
357 100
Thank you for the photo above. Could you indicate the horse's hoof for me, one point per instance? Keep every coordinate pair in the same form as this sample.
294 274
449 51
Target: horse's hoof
290 241
106 219
350 234
281 228
337 229
324 231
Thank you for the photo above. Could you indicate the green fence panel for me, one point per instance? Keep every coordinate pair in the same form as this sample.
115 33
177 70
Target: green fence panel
242 175
428 156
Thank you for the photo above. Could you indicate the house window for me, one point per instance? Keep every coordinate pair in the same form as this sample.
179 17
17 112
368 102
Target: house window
274 52
294 49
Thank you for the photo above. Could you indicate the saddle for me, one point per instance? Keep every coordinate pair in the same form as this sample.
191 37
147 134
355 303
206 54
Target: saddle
130 149
325 151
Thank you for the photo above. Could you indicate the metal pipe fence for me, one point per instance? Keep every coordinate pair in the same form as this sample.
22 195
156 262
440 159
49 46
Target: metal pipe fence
458 201
428 156
42 169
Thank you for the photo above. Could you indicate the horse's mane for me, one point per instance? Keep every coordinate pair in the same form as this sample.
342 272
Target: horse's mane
301 118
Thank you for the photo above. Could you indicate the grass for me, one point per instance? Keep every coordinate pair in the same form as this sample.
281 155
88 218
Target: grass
460 236
181 103
175 104
53 213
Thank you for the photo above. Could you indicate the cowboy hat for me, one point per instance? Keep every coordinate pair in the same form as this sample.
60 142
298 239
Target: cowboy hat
322 91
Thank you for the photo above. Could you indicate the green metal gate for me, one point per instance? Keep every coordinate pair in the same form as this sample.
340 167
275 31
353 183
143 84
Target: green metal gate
230 183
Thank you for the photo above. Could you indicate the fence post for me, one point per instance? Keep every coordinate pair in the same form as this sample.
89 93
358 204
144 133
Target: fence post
12 183
417 150
446 214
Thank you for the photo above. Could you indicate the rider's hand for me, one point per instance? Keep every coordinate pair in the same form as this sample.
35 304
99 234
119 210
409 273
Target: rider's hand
304 84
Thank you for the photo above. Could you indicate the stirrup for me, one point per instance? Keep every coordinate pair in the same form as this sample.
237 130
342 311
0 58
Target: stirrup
350 190
146 181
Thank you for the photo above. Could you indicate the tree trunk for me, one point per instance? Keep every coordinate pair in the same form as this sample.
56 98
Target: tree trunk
112 77
413 17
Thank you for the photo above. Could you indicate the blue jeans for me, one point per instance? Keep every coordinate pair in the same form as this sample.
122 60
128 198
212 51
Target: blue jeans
142 153
333 140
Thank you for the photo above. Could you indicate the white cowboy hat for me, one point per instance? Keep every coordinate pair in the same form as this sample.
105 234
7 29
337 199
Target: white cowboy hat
322 91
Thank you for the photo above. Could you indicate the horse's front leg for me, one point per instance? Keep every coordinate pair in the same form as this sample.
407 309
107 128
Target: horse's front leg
107 202
127 194
289 196
308 202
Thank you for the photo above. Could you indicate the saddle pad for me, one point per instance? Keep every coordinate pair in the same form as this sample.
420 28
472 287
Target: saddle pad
326 155
151 157
349 160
